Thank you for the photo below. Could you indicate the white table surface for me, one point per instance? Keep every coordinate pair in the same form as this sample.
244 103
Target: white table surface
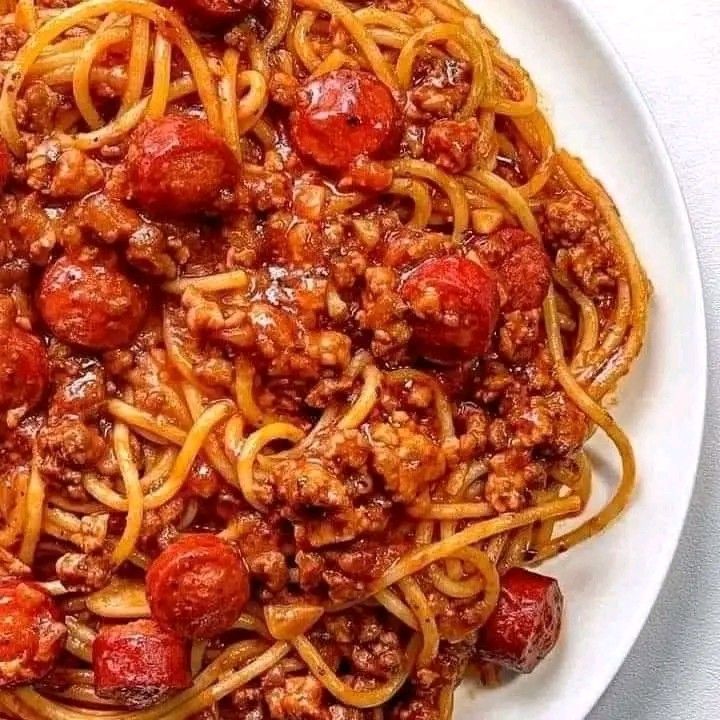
672 48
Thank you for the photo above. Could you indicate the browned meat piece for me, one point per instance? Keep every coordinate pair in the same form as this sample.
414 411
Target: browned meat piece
408 461
519 335
441 86
365 174
523 267
451 144
512 474
265 188
203 480
299 698
551 423
68 441
270 568
82 572
162 518
105 218
572 223
421 700
307 485
79 384
12 38
66 174
347 573
37 107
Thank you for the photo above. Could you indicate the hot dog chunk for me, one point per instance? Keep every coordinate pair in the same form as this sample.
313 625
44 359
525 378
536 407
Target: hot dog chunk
31 632
177 165
23 368
455 304
5 163
139 663
214 12
522 265
343 115
89 302
198 586
525 625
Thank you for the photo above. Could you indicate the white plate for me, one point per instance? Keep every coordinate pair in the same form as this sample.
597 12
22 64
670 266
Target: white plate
611 582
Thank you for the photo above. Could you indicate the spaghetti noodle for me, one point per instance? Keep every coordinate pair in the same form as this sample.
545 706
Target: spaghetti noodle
308 322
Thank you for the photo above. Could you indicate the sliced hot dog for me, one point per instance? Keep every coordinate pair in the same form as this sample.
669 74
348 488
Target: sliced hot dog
454 303
525 625
343 115
23 368
89 302
139 663
177 165
198 586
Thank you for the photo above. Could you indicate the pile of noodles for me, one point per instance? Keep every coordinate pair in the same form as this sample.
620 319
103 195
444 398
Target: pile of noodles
459 541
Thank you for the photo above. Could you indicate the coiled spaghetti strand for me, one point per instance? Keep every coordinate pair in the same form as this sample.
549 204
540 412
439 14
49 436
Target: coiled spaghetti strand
46 33
449 185
137 63
160 93
600 417
133 492
95 46
345 693
448 32
359 34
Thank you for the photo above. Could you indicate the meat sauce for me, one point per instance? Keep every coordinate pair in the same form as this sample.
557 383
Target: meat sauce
92 314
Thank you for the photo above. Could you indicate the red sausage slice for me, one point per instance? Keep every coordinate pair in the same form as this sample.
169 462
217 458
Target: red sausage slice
31 632
523 267
139 663
343 115
23 368
4 163
455 305
177 165
525 625
198 586
89 302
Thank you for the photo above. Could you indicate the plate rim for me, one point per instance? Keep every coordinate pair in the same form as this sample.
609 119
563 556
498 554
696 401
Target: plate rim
564 697
696 424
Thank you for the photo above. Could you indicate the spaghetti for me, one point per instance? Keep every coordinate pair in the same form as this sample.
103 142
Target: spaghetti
308 323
